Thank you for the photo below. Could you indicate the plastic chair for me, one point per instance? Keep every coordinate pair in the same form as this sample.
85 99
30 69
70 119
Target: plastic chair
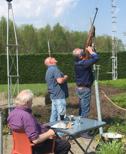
22 144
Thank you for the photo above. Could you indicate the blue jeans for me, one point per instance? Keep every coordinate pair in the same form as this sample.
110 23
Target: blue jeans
84 95
58 105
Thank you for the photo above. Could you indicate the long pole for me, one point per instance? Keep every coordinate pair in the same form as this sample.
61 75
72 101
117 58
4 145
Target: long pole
16 44
12 60
114 42
7 49
96 71
49 51
1 134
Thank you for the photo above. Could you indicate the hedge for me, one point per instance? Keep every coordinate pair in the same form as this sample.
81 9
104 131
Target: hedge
32 68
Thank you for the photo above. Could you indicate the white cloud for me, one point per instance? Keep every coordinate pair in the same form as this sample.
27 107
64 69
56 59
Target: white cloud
3 8
39 12
30 8
37 8
63 5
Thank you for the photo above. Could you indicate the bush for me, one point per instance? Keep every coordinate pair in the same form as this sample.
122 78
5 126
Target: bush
32 68
113 147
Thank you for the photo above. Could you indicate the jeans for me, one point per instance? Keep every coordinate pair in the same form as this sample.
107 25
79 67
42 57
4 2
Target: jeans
84 94
58 106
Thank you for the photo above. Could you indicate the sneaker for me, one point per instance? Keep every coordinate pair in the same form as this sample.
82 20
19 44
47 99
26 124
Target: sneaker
86 135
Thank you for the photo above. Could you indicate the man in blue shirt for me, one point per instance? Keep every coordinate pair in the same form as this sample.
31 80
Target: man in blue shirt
84 77
57 88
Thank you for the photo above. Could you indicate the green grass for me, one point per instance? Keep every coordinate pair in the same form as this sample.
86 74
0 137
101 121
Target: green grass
120 99
113 147
120 83
41 88
118 127
38 89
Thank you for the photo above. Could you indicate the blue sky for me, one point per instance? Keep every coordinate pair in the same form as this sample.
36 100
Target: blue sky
73 14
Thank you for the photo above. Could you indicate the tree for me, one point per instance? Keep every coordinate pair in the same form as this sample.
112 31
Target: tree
78 39
43 37
120 45
59 39
104 43
3 27
62 40
28 39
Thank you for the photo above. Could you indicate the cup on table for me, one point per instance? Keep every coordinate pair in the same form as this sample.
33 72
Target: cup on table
62 116
71 117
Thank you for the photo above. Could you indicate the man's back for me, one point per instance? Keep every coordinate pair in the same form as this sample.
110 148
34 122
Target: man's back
83 70
56 90
21 119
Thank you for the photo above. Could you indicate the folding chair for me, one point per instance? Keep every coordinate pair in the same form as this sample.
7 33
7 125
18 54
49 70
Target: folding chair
22 144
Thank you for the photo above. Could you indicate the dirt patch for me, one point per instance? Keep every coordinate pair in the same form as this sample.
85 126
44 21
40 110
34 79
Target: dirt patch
107 109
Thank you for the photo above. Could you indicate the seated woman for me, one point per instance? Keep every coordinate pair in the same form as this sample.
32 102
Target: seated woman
21 118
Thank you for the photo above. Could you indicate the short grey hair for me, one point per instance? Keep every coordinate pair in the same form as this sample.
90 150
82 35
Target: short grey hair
77 52
23 97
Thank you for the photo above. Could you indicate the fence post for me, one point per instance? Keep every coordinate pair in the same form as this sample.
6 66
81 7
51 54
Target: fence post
1 134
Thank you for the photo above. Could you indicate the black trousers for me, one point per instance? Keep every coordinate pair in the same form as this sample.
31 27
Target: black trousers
61 147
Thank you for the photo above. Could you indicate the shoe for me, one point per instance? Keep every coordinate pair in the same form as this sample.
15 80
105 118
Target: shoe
86 135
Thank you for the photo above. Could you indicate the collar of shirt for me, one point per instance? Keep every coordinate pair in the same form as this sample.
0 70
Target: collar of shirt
24 108
52 66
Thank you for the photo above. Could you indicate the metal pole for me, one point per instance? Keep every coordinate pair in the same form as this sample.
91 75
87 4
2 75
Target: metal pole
114 41
49 51
1 134
96 71
12 60
7 48
16 43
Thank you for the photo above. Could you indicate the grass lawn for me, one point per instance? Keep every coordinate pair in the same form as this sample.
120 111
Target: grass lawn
37 88
119 99
41 89
120 83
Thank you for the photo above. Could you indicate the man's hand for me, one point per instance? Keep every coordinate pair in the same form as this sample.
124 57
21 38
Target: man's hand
90 50
51 133
65 77
44 136
62 79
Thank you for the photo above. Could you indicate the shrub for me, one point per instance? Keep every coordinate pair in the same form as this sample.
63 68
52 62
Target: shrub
113 147
32 68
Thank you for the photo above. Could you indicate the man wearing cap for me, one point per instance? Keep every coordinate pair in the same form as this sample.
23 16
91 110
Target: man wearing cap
57 88
84 77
